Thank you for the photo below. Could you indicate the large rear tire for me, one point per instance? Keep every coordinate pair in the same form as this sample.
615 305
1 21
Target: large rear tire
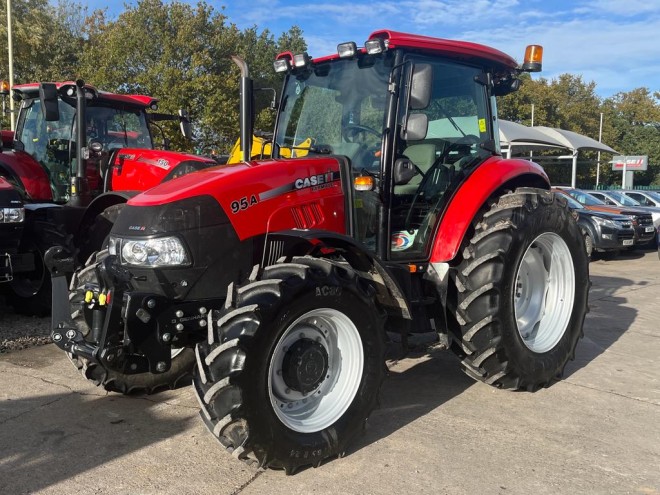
183 359
519 294
294 365
29 293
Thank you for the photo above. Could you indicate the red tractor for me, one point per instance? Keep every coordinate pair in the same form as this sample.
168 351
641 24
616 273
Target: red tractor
282 278
73 201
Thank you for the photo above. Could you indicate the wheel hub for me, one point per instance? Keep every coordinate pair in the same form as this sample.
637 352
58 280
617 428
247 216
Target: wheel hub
305 365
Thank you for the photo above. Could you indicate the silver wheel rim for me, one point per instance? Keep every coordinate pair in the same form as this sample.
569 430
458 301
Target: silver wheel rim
544 292
323 406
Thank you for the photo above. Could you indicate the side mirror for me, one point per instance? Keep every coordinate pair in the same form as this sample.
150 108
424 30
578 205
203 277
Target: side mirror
96 147
417 125
184 124
48 99
403 171
421 85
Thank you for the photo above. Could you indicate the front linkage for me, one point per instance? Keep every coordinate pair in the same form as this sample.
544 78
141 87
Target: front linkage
129 339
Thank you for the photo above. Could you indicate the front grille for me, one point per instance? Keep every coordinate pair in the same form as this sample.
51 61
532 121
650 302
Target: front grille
645 220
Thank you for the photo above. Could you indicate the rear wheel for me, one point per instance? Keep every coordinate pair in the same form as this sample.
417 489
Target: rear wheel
520 293
294 364
183 359
30 292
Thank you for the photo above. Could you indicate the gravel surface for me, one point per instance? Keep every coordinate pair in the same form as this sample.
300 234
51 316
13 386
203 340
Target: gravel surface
19 332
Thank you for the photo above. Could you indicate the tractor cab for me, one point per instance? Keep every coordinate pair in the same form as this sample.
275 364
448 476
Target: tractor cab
412 122
47 131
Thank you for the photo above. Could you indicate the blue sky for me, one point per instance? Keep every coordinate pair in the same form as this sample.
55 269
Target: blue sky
612 42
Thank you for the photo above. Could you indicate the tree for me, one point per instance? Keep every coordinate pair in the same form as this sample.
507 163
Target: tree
181 54
631 123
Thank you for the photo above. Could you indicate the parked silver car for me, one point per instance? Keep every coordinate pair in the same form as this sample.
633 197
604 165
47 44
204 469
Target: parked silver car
645 198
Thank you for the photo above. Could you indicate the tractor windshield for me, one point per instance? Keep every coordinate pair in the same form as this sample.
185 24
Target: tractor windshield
337 107
52 143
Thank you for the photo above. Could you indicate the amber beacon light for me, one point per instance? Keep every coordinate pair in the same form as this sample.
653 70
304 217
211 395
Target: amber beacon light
533 58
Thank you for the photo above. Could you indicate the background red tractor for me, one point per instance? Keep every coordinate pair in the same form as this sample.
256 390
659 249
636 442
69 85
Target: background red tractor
71 201
394 210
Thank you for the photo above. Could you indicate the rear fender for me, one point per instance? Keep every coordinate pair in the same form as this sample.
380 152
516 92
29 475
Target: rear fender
26 173
494 175
320 243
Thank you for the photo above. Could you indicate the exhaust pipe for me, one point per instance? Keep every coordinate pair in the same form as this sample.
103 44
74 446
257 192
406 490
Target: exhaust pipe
246 110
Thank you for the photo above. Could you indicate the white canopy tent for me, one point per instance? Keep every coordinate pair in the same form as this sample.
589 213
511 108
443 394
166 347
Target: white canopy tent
526 138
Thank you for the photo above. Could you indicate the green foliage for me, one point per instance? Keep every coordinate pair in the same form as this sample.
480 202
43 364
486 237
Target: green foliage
631 124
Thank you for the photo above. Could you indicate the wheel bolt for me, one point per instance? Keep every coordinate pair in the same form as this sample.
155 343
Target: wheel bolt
151 303
179 327
202 310
167 337
160 366
287 391
202 323
178 313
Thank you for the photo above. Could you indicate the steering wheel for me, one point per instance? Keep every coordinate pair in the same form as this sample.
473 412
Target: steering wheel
468 139
351 131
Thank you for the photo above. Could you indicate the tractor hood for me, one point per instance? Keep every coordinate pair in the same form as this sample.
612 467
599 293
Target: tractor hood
265 196
141 169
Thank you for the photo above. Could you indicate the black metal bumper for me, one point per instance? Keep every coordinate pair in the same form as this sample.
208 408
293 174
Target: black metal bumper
131 332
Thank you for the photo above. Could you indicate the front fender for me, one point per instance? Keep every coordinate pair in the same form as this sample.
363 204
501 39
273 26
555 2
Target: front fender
494 175
320 242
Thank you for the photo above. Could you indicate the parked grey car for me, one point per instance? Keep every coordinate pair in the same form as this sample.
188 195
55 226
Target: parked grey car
603 232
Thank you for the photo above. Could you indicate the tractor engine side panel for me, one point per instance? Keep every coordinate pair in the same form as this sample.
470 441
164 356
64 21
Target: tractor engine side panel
266 196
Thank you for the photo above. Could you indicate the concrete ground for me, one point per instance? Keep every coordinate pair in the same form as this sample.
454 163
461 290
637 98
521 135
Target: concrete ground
597 431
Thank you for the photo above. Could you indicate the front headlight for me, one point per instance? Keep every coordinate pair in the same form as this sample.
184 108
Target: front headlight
156 252
607 222
12 215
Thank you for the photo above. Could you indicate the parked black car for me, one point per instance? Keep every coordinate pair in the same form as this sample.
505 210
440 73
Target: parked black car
603 232
642 221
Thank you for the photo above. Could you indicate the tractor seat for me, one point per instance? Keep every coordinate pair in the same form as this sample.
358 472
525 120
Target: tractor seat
423 156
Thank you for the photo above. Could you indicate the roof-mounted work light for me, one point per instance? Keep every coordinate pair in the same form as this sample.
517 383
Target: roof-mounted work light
301 60
533 58
347 50
375 46
281 65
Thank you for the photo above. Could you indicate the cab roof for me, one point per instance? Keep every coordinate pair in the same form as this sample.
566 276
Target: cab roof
449 48
32 90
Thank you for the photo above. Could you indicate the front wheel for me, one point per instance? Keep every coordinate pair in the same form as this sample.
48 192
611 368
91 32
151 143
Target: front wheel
519 295
294 364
